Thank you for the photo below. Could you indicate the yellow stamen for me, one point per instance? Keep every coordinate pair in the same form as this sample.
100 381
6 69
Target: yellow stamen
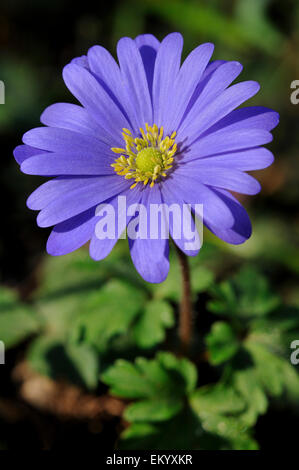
145 158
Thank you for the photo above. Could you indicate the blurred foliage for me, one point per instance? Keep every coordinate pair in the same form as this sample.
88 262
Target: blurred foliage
169 403
89 321
98 325
254 343
17 321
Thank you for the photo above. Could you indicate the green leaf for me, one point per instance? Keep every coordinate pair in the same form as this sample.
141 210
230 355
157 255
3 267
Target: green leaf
247 295
169 413
267 368
290 378
231 429
217 399
149 329
17 320
261 367
165 376
276 331
222 343
246 383
185 431
162 384
71 284
108 312
153 410
77 363
219 407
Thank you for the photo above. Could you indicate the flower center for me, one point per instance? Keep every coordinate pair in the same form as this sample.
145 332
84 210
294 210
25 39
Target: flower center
145 158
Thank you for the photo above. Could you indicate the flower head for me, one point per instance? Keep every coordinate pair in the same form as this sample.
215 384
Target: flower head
152 130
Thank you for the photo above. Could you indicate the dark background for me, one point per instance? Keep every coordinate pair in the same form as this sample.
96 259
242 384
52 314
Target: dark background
37 38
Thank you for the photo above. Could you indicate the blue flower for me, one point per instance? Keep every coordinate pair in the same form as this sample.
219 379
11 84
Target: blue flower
152 130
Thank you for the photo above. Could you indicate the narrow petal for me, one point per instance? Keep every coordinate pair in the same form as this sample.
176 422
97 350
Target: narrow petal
54 164
223 142
150 256
22 152
134 81
54 189
210 69
74 202
72 117
205 78
148 46
166 69
178 225
185 83
241 230
227 178
100 248
67 142
85 87
211 87
230 99
246 160
82 61
189 190
108 73
70 235
253 117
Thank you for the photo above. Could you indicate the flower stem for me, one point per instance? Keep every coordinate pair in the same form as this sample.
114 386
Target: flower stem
185 322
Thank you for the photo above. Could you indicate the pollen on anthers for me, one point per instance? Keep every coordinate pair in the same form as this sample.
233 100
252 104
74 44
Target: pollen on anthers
147 158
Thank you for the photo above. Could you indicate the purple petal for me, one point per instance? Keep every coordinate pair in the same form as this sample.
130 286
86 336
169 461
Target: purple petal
241 229
226 178
80 199
148 46
134 81
253 117
177 226
84 86
72 117
108 74
99 249
54 189
186 81
150 256
166 69
211 68
208 90
246 160
65 141
81 61
53 164
205 78
189 190
70 235
22 152
231 98
223 142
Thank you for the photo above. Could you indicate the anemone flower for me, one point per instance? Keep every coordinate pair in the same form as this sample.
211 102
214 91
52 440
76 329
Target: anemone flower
153 130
